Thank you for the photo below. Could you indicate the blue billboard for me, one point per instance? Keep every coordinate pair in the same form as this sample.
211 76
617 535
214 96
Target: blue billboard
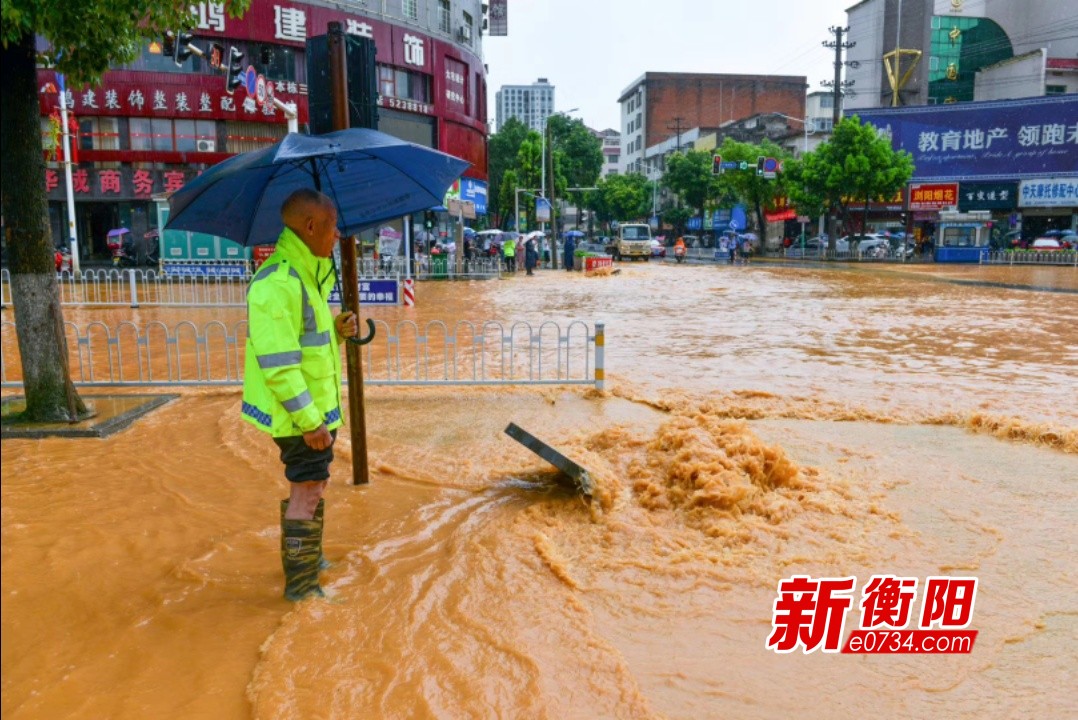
996 140
476 191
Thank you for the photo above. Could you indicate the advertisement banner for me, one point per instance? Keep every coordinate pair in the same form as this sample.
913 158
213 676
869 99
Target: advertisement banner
1049 192
499 18
542 210
933 196
987 196
1005 140
476 191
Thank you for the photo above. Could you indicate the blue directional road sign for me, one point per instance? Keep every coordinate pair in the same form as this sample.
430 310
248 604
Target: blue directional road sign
731 164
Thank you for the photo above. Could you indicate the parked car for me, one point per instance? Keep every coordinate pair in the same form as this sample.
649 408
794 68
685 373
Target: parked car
692 241
1046 244
658 249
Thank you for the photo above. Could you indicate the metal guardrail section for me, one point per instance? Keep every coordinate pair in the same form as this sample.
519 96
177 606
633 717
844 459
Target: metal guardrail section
1030 257
135 287
489 353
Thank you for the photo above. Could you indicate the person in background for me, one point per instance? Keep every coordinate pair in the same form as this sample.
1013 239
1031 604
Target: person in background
509 252
292 375
531 256
568 252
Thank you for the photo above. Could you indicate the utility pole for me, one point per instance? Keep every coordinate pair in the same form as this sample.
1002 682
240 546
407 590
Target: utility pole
837 85
676 127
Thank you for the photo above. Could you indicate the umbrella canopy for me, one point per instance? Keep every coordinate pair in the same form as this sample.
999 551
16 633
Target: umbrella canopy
371 176
117 232
574 234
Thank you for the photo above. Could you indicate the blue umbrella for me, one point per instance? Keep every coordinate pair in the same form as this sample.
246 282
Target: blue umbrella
574 234
371 176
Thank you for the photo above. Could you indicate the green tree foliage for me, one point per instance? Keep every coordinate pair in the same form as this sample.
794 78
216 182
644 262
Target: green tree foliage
582 152
503 147
757 192
855 166
622 197
81 39
689 175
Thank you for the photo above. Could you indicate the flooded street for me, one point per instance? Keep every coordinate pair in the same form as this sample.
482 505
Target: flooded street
759 422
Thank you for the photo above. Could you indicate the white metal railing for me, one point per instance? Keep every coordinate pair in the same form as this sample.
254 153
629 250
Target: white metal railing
136 287
435 353
1030 257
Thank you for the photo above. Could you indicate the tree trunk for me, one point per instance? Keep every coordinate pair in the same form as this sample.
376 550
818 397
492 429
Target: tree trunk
50 395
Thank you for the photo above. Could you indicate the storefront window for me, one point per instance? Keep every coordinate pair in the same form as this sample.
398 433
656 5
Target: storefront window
404 84
99 133
161 134
141 133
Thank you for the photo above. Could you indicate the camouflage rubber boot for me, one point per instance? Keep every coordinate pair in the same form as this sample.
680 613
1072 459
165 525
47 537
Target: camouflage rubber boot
320 518
299 557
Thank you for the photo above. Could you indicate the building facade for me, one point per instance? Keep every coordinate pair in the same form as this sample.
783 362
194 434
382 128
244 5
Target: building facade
657 106
611 140
950 47
531 104
151 125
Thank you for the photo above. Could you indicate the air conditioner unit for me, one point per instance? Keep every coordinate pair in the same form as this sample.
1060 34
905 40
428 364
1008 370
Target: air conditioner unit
206 146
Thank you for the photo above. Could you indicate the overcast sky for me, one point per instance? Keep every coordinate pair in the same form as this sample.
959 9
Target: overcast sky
591 50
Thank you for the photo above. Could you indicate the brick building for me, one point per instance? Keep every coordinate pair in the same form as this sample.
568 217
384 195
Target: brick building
655 106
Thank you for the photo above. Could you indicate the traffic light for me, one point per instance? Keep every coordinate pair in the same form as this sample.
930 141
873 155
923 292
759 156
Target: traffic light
234 72
760 164
168 46
182 52
716 164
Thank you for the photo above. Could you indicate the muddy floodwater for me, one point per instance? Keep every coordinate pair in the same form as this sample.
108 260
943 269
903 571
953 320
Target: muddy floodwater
758 422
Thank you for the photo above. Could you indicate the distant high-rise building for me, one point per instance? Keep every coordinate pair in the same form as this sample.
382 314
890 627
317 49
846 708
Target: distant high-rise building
531 104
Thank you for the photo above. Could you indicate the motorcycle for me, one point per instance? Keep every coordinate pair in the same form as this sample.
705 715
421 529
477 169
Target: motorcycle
679 253
121 243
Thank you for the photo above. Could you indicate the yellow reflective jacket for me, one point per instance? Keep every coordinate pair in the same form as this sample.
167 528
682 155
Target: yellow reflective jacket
292 371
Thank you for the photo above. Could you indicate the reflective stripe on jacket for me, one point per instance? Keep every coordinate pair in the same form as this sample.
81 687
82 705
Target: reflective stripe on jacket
292 371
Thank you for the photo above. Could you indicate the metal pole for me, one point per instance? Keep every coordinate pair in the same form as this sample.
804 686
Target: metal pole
898 57
600 356
134 291
338 82
72 231
407 247
516 209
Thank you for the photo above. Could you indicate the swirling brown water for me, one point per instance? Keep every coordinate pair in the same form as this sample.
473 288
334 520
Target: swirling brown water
761 422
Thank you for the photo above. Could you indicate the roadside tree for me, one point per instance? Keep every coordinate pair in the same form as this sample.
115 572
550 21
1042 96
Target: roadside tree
80 40
756 191
855 166
504 146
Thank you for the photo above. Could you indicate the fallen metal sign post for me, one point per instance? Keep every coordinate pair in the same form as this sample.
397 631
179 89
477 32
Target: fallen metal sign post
581 480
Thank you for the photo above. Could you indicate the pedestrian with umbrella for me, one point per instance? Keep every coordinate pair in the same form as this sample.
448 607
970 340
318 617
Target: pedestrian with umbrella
304 193
568 251
531 256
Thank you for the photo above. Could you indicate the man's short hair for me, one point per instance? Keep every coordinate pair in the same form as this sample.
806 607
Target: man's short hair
302 199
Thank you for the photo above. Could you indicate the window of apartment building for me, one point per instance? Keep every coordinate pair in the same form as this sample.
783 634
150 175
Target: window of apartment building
410 8
99 133
466 29
443 16
827 101
1055 89
194 135
640 120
